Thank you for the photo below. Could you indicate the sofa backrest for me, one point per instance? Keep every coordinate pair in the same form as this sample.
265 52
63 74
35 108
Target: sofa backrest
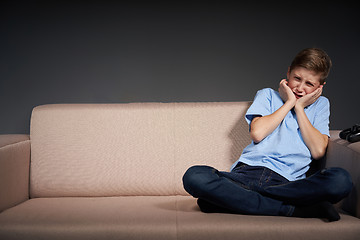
130 149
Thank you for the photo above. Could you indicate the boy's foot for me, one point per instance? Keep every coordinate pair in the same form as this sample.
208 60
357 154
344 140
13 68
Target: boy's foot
320 210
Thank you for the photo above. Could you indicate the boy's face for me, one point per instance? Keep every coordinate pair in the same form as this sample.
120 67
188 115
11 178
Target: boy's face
302 81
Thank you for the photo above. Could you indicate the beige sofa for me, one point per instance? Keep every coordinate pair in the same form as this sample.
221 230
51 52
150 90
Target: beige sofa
113 171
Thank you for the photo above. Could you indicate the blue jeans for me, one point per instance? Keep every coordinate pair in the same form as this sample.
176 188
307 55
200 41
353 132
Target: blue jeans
260 191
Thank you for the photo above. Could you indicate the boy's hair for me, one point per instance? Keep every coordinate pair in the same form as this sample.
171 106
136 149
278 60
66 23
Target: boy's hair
313 59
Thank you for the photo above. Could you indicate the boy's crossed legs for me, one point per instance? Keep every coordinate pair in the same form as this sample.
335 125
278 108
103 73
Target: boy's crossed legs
260 191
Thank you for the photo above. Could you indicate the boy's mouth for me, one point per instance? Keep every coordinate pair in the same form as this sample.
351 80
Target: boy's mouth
298 96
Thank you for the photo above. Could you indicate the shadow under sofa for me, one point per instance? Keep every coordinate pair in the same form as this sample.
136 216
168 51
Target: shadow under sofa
113 171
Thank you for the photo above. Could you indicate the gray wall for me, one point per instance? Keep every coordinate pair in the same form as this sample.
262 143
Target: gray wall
108 52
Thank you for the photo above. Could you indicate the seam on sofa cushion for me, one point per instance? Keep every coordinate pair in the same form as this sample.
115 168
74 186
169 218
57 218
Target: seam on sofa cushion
174 149
176 219
13 144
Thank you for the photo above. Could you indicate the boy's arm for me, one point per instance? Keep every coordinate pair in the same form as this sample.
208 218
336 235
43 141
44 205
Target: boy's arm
314 140
261 127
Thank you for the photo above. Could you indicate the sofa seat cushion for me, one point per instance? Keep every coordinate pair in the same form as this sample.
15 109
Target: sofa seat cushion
91 218
156 217
192 224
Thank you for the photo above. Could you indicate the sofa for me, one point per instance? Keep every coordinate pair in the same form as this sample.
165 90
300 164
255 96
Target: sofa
114 171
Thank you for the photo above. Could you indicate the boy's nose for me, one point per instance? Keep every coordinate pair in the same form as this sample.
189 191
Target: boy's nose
300 87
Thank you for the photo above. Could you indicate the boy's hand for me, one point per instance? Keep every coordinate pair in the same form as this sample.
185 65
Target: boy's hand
286 93
309 99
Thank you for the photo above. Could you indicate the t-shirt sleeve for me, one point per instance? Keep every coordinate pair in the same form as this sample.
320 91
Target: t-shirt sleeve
261 105
321 120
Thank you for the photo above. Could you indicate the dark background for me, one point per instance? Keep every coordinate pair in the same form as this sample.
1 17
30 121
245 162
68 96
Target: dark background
119 52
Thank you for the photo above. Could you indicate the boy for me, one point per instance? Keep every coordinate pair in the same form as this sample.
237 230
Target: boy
288 128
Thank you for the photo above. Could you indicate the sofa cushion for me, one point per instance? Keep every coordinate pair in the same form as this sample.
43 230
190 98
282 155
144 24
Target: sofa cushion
157 217
341 153
130 149
192 224
14 170
91 218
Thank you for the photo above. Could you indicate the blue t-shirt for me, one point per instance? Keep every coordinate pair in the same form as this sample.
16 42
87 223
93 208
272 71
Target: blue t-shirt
284 150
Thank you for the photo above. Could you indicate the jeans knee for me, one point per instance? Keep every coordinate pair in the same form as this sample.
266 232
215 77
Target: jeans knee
189 176
195 179
341 182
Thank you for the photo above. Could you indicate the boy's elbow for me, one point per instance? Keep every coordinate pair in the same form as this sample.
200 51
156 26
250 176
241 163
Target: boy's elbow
256 137
319 152
256 134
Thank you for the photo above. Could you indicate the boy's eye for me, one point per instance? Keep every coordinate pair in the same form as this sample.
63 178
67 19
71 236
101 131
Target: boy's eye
310 84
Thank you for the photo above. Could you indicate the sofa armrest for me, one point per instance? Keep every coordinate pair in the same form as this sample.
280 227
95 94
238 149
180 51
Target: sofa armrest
14 170
341 153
